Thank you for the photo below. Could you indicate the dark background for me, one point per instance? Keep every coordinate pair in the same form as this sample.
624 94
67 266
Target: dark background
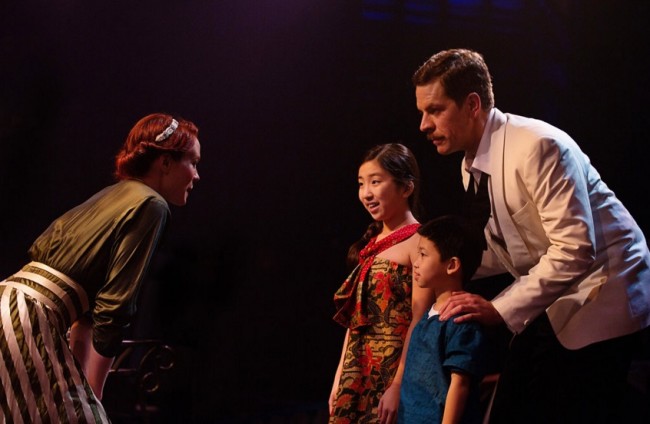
287 95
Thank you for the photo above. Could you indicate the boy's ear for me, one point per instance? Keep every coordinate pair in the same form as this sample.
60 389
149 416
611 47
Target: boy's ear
453 265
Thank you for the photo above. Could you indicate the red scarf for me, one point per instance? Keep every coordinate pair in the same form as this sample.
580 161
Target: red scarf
350 297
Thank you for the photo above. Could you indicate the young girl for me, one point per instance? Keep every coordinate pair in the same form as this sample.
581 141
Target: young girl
377 303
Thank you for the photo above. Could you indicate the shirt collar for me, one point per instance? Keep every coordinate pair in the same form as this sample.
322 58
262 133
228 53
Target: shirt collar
433 312
480 162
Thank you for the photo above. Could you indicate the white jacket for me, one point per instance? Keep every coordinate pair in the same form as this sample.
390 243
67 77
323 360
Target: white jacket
574 249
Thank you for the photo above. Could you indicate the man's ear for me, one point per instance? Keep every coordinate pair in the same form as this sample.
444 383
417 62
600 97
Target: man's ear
473 101
453 265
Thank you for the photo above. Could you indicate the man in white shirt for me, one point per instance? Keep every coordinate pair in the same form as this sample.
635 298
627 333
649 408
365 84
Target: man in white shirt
580 263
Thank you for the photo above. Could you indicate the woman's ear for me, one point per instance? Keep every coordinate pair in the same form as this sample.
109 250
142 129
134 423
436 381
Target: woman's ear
165 162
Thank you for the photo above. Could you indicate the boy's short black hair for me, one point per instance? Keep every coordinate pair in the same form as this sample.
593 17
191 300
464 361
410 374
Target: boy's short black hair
455 236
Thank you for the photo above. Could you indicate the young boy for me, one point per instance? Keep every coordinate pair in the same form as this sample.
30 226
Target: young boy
445 361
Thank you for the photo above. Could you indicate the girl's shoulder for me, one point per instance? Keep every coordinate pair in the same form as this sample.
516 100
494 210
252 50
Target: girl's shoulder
411 246
404 252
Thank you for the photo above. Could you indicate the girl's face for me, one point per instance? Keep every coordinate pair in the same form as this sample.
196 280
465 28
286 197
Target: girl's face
181 176
381 196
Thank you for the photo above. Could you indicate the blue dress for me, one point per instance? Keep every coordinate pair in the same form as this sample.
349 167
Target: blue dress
436 349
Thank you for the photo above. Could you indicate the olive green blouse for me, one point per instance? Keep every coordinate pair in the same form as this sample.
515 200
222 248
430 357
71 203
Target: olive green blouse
105 245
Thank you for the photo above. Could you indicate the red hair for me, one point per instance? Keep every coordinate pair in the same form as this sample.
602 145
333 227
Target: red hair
142 148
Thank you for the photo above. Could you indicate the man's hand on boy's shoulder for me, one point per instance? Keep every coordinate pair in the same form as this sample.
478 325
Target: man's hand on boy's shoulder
469 307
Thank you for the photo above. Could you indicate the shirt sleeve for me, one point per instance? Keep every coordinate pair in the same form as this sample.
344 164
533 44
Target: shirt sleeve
134 242
466 349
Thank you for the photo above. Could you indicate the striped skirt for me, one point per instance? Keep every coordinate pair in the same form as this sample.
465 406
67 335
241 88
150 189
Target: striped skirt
41 381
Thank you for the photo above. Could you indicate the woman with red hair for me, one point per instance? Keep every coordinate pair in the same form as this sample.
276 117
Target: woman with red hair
84 276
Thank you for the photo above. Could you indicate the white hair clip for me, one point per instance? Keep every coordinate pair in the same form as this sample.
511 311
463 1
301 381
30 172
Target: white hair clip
168 131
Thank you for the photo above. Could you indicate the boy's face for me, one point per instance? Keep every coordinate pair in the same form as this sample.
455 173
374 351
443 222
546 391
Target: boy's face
429 268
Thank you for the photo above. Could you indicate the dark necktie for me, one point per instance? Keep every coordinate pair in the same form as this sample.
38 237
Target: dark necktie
476 205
